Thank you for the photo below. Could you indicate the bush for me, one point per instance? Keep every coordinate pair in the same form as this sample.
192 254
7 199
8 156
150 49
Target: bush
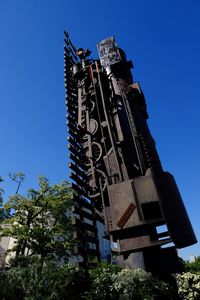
101 282
53 283
189 285
111 282
10 287
138 285
27 281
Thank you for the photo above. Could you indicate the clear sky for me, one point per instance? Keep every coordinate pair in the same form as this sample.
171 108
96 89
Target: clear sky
163 40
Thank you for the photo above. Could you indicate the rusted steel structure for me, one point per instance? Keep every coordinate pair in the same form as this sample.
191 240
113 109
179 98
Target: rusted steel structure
116 167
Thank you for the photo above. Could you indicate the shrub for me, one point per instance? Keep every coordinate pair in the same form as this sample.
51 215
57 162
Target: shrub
110 282
139 285
101 282
189 286
29 283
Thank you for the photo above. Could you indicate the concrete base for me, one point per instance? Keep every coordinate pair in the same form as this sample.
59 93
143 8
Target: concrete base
134 261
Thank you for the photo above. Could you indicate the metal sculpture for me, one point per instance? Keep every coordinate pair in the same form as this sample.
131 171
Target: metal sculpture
116 167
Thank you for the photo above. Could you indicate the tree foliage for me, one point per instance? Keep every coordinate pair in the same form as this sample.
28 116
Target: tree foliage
40 222
18 178
193 266
4 213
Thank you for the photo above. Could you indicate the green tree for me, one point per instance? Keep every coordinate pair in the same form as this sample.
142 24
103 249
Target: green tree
41 222
18 178
193 266
4 213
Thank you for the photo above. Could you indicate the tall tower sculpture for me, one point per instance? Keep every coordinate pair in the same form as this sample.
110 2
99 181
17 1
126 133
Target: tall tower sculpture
116 167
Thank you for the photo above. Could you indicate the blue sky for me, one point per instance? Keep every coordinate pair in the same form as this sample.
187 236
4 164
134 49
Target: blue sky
163 40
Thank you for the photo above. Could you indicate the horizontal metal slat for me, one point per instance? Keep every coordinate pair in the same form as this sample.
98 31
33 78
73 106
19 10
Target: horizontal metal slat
86 226
77 170
79 190
82 202
77 161
84 214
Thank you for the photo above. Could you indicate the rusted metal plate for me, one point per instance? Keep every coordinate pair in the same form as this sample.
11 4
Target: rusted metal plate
126 215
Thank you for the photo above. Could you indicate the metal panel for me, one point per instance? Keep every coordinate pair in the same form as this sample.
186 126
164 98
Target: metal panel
121 197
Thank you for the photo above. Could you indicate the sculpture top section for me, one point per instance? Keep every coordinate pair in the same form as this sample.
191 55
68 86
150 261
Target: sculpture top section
108 52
